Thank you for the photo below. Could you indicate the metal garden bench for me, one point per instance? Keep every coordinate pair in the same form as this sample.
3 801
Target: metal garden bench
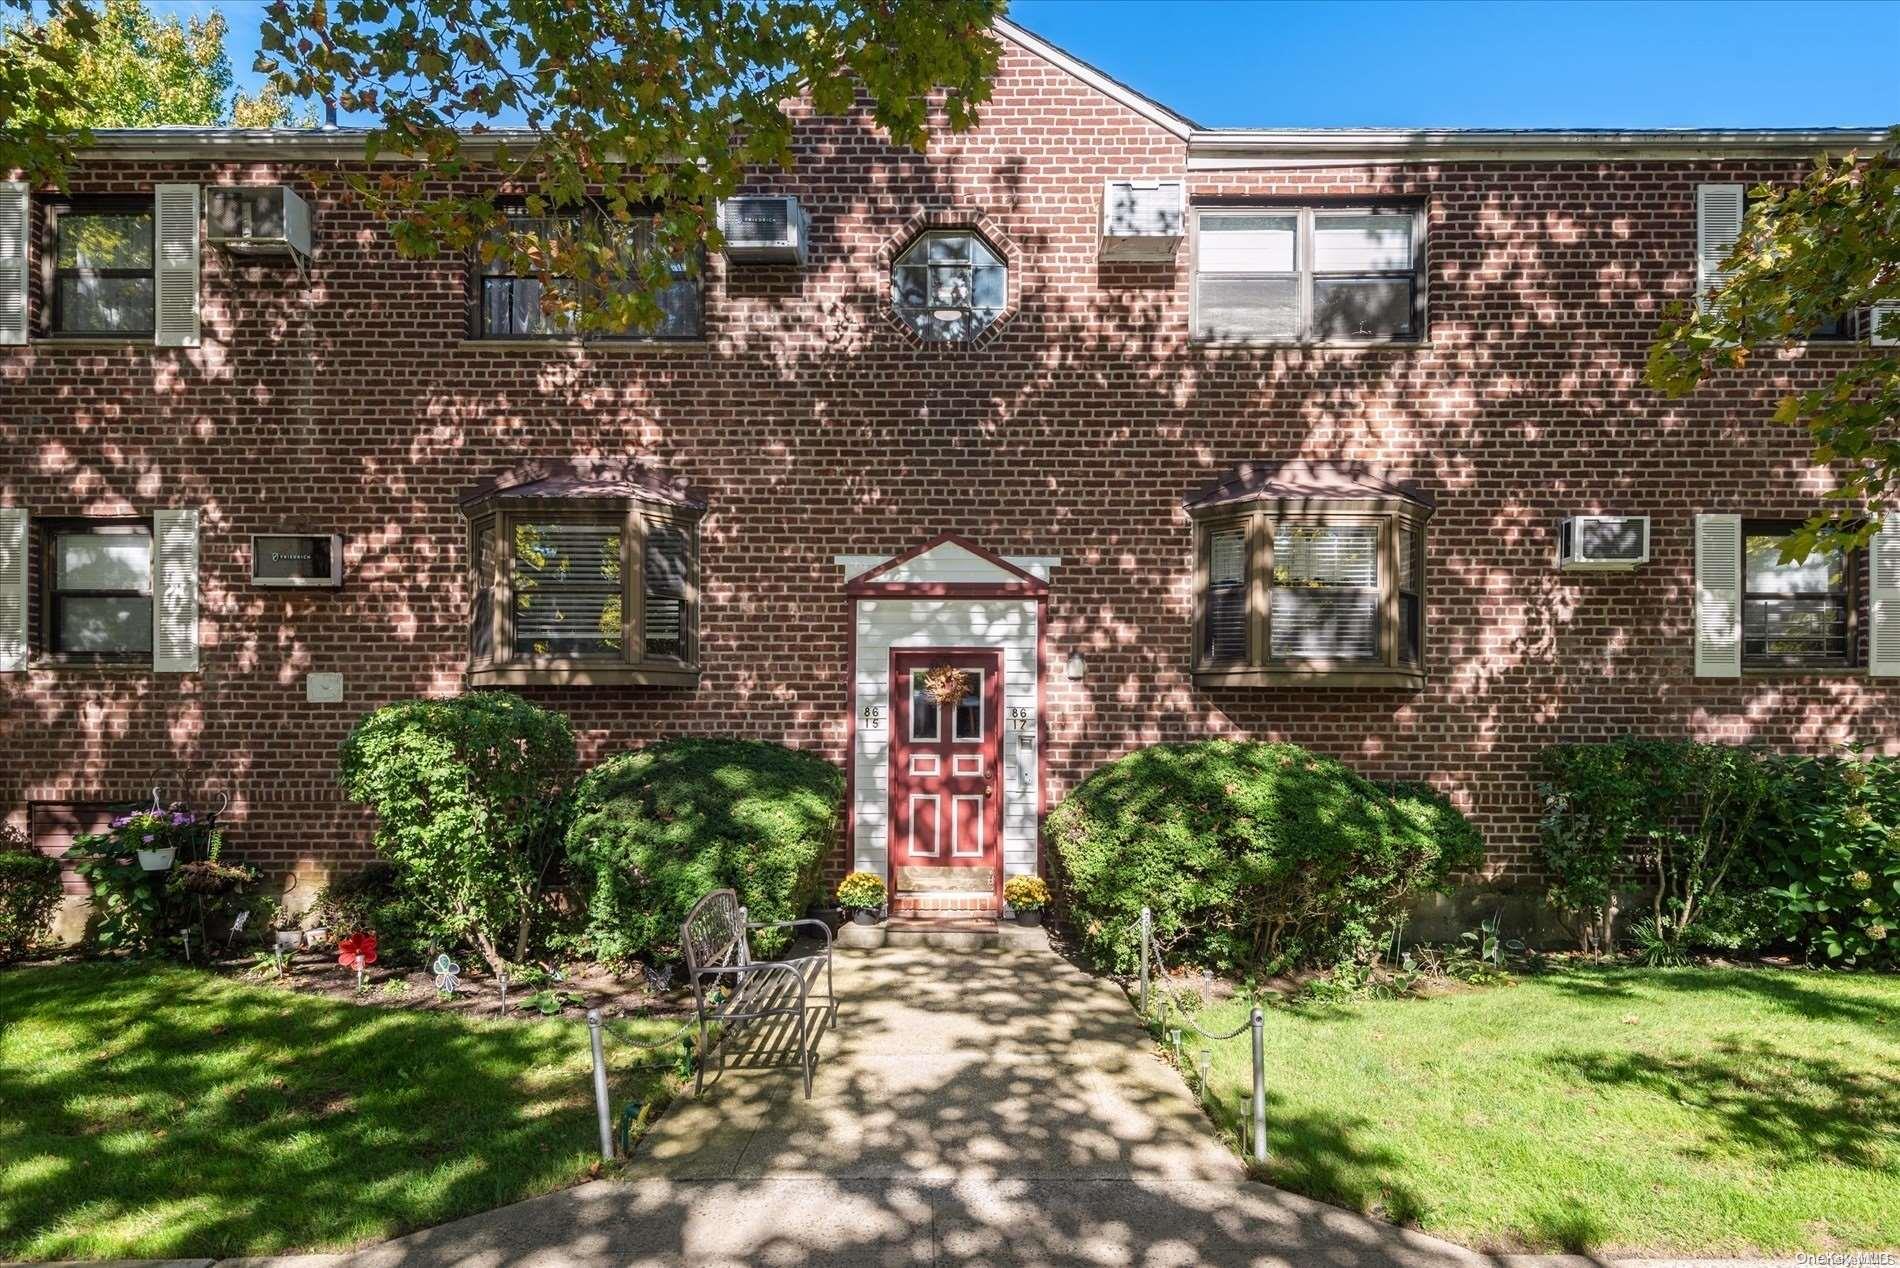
729 986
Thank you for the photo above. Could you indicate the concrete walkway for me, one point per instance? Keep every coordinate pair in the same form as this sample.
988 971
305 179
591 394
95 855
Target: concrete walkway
971 1107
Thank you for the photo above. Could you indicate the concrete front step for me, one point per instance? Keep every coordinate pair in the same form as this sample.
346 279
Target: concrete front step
946 933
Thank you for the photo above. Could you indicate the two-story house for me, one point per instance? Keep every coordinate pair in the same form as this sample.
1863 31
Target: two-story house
1338 437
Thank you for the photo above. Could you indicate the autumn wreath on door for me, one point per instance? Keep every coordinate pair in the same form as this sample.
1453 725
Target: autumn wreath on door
946 684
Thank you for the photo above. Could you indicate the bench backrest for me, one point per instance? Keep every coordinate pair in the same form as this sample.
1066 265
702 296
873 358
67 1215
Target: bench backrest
713 934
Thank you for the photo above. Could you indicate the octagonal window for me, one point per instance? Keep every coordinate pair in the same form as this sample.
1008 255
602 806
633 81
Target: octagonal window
949 285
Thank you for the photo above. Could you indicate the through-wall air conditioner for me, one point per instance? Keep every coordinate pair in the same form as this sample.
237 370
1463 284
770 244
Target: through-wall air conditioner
1142 220
1603 543
764 230
258 220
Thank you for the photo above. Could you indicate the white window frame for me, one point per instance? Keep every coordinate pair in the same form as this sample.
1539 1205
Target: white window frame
1304 272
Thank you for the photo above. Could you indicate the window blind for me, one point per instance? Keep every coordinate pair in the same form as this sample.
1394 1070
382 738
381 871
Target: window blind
1326 592
567 589
669 558
1226 617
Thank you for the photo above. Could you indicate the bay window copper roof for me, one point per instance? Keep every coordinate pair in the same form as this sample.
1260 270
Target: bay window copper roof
611 477
1303 480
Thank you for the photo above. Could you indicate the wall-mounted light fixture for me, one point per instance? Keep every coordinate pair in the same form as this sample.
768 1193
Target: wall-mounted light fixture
1076 667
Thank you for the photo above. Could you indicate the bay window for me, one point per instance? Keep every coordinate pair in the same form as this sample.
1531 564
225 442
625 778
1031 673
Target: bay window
582 583
1309 572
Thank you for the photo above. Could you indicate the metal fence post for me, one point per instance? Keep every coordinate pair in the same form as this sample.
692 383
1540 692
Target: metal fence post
1259 1085
600 1086
1147 932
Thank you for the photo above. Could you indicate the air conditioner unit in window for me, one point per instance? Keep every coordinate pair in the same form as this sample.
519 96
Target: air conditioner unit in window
1142 221
764 230
1603 543
258 220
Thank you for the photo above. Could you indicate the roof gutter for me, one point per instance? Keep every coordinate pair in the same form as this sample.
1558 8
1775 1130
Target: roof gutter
1213 148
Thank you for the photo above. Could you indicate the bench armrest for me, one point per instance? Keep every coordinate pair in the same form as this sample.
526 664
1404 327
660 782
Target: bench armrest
793 924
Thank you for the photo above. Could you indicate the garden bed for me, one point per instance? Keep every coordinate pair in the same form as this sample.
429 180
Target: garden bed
1693 1111
581 986
148 1110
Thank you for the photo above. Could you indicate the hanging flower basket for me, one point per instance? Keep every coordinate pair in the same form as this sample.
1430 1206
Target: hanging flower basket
946 684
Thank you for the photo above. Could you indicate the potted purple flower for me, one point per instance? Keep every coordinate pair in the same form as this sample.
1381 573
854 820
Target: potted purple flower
154 835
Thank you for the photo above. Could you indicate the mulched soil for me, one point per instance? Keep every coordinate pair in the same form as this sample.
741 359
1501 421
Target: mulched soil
583 986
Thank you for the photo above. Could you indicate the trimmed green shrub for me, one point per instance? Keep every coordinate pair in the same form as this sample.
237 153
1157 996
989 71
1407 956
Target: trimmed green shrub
1671 814
29 894
1252 856
1830 848
655 830
470 795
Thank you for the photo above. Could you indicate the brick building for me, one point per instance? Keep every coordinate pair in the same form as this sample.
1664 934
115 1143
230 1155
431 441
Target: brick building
1154 432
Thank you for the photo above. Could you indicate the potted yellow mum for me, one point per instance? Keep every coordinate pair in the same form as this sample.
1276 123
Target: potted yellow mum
1026 896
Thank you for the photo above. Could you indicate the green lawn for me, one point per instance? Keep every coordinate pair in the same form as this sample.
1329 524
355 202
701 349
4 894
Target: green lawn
154 1111
1685 1111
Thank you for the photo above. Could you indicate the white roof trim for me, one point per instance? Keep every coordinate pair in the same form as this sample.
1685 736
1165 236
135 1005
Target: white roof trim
1213 149
1152 111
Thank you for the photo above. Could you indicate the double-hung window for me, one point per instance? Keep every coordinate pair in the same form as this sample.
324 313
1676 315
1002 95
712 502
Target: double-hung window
513 305
1795 615
1309 574
1308 274
98 583
102 281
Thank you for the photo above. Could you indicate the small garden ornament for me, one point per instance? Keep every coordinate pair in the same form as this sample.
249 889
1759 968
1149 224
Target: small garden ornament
862 894
447 975
358 951
1026 896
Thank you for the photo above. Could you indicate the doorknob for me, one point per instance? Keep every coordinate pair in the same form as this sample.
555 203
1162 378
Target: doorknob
989 788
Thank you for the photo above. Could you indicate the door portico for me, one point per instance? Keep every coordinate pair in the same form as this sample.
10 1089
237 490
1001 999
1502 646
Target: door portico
946 602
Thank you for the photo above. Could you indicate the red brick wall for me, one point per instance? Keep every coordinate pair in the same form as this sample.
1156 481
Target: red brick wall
357 406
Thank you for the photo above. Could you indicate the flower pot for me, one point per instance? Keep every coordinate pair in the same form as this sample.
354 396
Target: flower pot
316 937
158 860
1029 918
862 917
289 939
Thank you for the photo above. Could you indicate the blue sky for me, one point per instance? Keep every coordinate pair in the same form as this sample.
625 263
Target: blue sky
1637 63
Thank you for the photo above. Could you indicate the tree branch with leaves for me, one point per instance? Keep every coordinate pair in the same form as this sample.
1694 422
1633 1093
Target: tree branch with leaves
1809 254
613 122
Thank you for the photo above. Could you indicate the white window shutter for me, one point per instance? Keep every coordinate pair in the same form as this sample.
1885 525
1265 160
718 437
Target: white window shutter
176 269
175 592
1718 596
1883 642
1888 315
1718 226
16 221
13 615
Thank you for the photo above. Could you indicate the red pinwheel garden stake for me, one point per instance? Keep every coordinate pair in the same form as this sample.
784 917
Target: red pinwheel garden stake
357 951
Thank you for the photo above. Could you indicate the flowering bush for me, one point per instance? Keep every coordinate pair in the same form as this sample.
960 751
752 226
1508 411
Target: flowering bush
1026 893
1833 845
861 891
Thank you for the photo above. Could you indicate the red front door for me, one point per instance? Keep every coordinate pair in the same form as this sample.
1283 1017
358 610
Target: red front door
946 793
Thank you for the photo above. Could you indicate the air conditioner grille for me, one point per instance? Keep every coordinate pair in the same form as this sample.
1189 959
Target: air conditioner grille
1607 539
758 220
